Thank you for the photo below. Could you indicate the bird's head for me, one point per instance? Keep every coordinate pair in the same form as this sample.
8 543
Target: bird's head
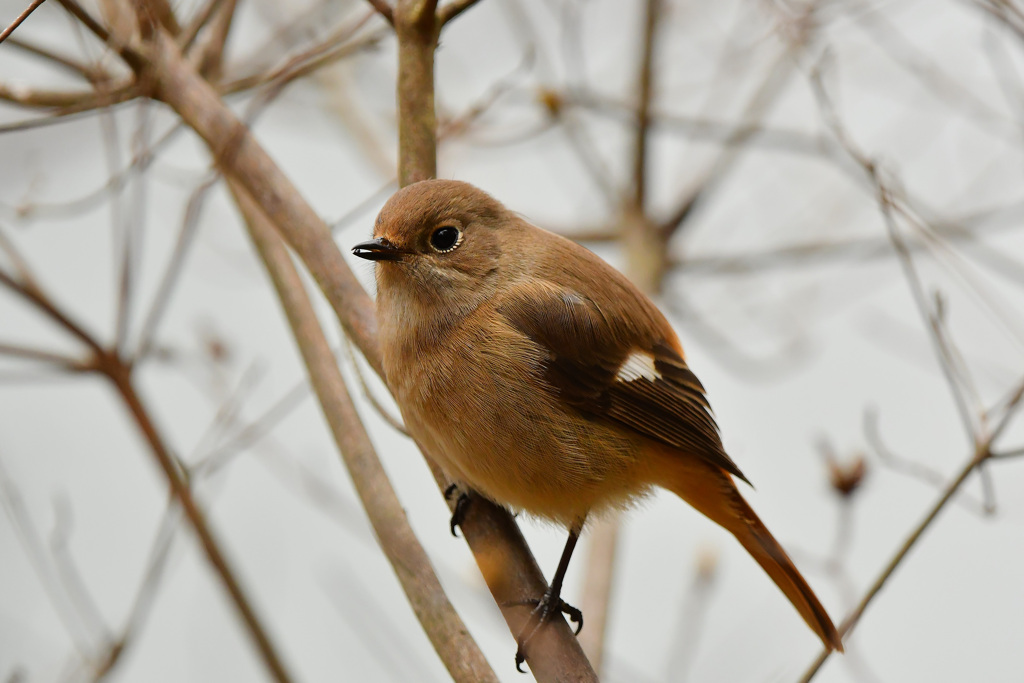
438 242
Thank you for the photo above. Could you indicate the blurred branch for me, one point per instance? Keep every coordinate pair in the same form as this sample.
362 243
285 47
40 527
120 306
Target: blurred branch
119 373
145 595
418 30
803 29
339 44
912 468
18 262
642 131
44 567
693 614
1004 11
238 155
211 50
646 257
32 294
966 229
598 584
121 378
1007 406
19 19
384 413
91 73
175 266
384 9
36 354
945 353
129 54
854 616
201 20
925 71
886 202
67 571
453 9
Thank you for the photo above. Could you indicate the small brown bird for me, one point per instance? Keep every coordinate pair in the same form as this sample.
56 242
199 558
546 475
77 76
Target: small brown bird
538 376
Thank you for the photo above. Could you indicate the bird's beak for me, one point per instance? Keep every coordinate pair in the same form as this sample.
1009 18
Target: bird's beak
379 249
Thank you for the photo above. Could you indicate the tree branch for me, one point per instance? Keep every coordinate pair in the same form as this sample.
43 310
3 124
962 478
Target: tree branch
446 631
20 19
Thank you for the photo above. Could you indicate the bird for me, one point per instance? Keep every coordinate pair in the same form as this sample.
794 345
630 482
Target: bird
539 377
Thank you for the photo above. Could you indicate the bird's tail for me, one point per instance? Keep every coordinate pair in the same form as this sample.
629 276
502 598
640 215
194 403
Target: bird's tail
712 492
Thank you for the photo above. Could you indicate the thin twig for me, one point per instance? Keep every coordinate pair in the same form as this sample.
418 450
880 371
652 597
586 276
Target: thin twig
31 353
91 73
368 394
1009 406
854 616
121 378
175 265
45 571
35 296
384 9
68 573
235 151
1006 455
20 18
452 9
945 352
145 595
197 23
911 468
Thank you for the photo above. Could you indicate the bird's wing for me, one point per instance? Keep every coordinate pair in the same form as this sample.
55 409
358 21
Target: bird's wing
615 365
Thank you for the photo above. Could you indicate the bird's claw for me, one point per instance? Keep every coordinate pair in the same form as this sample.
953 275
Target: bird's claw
461 505
543 611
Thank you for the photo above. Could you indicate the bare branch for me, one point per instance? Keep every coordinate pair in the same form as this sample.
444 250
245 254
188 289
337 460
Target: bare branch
91 73
1006 455
452 9
120 377
30 353
854 616
47 574
19 19
418 30
384 9
368 394
911 468
35 296
238 155
446 631
175 265
945 352
198 22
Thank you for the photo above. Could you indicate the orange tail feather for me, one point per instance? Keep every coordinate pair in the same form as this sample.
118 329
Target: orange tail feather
712 492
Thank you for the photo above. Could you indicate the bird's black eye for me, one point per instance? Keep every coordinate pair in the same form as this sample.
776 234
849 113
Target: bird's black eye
445 239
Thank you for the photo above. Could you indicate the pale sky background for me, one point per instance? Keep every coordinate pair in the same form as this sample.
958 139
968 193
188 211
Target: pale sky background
790 355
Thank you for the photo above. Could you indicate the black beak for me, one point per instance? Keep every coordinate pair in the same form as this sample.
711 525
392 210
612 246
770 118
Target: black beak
378 250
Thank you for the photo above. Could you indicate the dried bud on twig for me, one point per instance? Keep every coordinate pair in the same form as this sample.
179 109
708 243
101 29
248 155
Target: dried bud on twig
552 101
846 477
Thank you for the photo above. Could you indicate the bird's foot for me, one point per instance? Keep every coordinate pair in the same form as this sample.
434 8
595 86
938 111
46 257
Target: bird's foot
461 505
544 610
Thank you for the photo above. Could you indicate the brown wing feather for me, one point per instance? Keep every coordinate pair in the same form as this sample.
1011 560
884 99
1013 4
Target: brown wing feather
586 348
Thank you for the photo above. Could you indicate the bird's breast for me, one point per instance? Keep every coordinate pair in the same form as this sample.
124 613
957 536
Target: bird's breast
475 398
